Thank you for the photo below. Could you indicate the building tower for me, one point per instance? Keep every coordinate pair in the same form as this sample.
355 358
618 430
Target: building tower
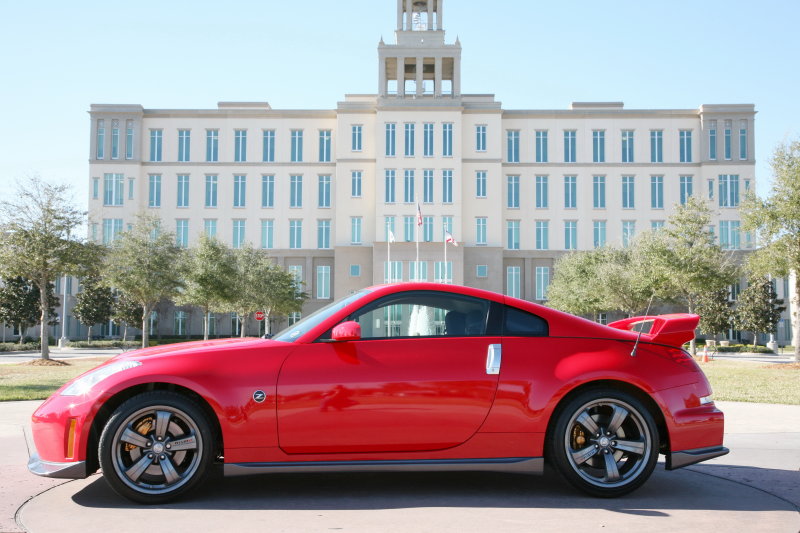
420 64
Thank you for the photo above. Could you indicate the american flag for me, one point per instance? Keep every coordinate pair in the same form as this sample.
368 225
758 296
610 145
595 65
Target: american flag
419 215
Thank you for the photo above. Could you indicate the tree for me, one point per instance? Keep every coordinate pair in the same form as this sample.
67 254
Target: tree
37 229
94 304
126 313
776 220
758 308
262 286
144 263
576 286
716 315
210 277
19 304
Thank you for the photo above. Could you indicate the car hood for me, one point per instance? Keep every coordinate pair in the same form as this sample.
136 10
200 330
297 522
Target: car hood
197 347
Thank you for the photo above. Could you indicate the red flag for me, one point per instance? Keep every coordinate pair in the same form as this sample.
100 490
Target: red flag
419 215
448 237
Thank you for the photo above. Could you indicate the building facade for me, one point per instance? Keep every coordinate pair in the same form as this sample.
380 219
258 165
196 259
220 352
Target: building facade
325 192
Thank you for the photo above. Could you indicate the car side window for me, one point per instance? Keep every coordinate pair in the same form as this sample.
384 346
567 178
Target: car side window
423 314
520 323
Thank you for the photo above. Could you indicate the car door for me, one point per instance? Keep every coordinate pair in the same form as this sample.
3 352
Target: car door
416 380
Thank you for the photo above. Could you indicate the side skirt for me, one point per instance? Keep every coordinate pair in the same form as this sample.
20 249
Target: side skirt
521 465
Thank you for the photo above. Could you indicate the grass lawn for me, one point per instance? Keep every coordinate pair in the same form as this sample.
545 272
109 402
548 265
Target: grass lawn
29 382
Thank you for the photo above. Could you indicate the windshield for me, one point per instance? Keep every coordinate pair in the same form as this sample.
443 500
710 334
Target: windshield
298 329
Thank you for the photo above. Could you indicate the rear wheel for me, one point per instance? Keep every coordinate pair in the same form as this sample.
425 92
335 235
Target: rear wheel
605 442
155 447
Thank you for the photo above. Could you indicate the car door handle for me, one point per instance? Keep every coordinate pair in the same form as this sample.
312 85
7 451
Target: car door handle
493 359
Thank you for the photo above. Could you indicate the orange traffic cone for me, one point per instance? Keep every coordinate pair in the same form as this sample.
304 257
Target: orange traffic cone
705 354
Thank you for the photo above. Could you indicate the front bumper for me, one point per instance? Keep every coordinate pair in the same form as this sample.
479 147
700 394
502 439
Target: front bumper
683 458
73 470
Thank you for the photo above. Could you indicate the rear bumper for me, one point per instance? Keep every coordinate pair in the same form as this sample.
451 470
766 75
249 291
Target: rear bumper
683 458
74 470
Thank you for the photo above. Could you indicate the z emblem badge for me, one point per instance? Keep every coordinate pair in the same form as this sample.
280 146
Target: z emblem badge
259 396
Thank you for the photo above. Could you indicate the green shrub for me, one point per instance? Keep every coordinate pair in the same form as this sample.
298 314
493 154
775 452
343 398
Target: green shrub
17 347
116 343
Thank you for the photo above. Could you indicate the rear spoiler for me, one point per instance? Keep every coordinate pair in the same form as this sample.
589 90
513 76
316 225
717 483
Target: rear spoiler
674 329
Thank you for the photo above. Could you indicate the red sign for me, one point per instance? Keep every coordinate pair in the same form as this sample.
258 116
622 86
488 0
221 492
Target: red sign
259 315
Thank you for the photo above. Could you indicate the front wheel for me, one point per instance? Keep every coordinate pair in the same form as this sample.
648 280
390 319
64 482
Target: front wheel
155 447
605 442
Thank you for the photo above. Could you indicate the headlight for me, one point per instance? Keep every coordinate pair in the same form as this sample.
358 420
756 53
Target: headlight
705 400
84 384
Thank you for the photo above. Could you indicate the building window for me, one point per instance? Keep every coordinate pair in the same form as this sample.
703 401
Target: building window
211 190
443 272
184 143
355 271
418 271
481 271
183 190
570 192
512 230
268 146
154 190
447 139
427 186
513 192
712 141
447 186
656 146
542 282
598 146
101 139
212 146
541 192
628 232
408 186
112 227
408 228
239 190
389 181
388 228
427 229
480 184
238 233
628 192
295 234
729 237
355 137
392 272
391 138
95 188
480 230
599 192
210 227
355 230
427 139
155 145
657 192
480 138
323 282
324 191
513 281
182 232
128 139
686 188
743 139
295 190
570 138
295 317
296 154
131 188
325 146
729 190
179 326
727 139
541 146
542 235
268 191
115 139
355 184
409 140
447 227
570 234
627 146
512 146
656 225
685 138
599 233
240 145
323 234
113 189
267 234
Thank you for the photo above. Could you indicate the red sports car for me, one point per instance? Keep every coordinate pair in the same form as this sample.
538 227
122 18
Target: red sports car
412 376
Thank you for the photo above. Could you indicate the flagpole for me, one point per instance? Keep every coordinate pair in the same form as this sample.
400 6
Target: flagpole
444 266
416 237
388 259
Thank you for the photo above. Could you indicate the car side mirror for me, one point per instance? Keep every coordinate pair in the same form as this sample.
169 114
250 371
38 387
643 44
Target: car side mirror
347 331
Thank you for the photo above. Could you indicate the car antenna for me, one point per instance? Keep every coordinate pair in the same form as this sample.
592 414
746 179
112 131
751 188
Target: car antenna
641 328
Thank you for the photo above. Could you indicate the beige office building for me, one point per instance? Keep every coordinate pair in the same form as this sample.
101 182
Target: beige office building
322 191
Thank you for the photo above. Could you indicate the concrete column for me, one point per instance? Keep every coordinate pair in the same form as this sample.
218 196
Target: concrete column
430 15
381 76
456 76
437 76
400 15
419 76
401 76
409 14
440 26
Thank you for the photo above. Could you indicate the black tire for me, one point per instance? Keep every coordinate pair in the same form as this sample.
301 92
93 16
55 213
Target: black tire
605 442
156 447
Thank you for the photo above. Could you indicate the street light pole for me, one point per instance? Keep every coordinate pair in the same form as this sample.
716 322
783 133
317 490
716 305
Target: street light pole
62 342
772 345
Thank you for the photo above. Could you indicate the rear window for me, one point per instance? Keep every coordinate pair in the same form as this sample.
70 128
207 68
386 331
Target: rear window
523 324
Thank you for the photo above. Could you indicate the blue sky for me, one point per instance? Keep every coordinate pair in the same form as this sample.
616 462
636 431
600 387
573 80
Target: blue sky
59 57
